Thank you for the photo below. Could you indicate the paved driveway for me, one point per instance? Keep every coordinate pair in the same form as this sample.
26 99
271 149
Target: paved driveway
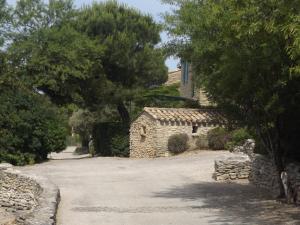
177 191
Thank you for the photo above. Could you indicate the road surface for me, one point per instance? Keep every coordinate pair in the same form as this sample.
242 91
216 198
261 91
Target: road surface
165 191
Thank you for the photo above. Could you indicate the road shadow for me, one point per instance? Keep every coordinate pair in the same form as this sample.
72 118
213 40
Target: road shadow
237 203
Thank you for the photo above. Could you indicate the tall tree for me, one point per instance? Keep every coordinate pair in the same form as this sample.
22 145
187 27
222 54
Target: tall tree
131 59
95 56
246 54
48 53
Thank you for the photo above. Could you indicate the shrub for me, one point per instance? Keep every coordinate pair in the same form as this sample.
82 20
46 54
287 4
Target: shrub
111 139
237 138
202 142
178 143
30 126
217 138
120 145
82 122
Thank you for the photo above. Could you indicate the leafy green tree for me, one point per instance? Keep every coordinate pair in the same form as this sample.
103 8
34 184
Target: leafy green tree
49 54
4 15
246 54
95 56
30 126
82 123
131 59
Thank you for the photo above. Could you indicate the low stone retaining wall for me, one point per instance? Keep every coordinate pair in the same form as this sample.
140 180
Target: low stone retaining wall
18 193
264 175
243 164
25 199
232 167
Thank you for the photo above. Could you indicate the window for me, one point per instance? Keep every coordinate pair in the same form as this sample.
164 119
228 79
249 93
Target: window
195 130
185 72
143 131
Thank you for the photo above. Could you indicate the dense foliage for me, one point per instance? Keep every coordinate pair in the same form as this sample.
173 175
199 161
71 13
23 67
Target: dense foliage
30 126
217 138
99 57
120 145
95 57
111 139
82 123
178 143
238 138
246 55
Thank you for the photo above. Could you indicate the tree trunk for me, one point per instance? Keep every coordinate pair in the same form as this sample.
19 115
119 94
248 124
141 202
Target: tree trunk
272 143
278 161
124 114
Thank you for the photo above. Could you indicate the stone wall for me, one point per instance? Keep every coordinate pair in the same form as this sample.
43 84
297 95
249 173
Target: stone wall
264 175
167 129
142 137
260 170
149 137
174 77
18 194
232 167
26 200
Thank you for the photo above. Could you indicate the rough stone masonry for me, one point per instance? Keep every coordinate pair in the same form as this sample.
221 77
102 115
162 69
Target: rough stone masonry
232 167
26 200
259 169
18 195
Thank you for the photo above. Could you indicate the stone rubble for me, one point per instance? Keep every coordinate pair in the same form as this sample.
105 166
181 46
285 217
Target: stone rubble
247 148
18 194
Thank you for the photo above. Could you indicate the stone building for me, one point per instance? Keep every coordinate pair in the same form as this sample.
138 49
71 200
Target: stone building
150 132
188 89
174 77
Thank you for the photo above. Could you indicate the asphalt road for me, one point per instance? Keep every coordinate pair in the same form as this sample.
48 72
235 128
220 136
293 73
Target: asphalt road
177 190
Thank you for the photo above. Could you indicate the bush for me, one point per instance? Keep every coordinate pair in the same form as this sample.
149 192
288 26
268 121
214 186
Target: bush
217 138
111 139
202 142
237 138
30 126
178 143
120 145
82 122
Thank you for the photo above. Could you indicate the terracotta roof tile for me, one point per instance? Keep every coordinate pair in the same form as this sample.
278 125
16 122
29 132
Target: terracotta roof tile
186 115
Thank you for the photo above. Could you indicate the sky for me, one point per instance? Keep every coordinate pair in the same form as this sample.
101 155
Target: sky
152 7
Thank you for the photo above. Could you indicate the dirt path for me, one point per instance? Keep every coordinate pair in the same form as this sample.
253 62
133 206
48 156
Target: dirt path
177 191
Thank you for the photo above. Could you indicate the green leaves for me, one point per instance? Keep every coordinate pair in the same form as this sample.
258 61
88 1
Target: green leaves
246 55
29 124
94 56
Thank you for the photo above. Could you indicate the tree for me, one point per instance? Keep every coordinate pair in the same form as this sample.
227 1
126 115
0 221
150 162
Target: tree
246 55
30 126
95 56
131 59
82 123
49 54
4 17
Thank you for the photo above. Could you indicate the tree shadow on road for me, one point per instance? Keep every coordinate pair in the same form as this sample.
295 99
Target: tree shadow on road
235 203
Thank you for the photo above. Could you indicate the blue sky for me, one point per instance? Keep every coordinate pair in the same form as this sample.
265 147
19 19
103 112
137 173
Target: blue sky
153 7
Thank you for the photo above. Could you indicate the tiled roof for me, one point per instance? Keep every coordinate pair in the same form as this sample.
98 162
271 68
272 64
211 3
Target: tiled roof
186 115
